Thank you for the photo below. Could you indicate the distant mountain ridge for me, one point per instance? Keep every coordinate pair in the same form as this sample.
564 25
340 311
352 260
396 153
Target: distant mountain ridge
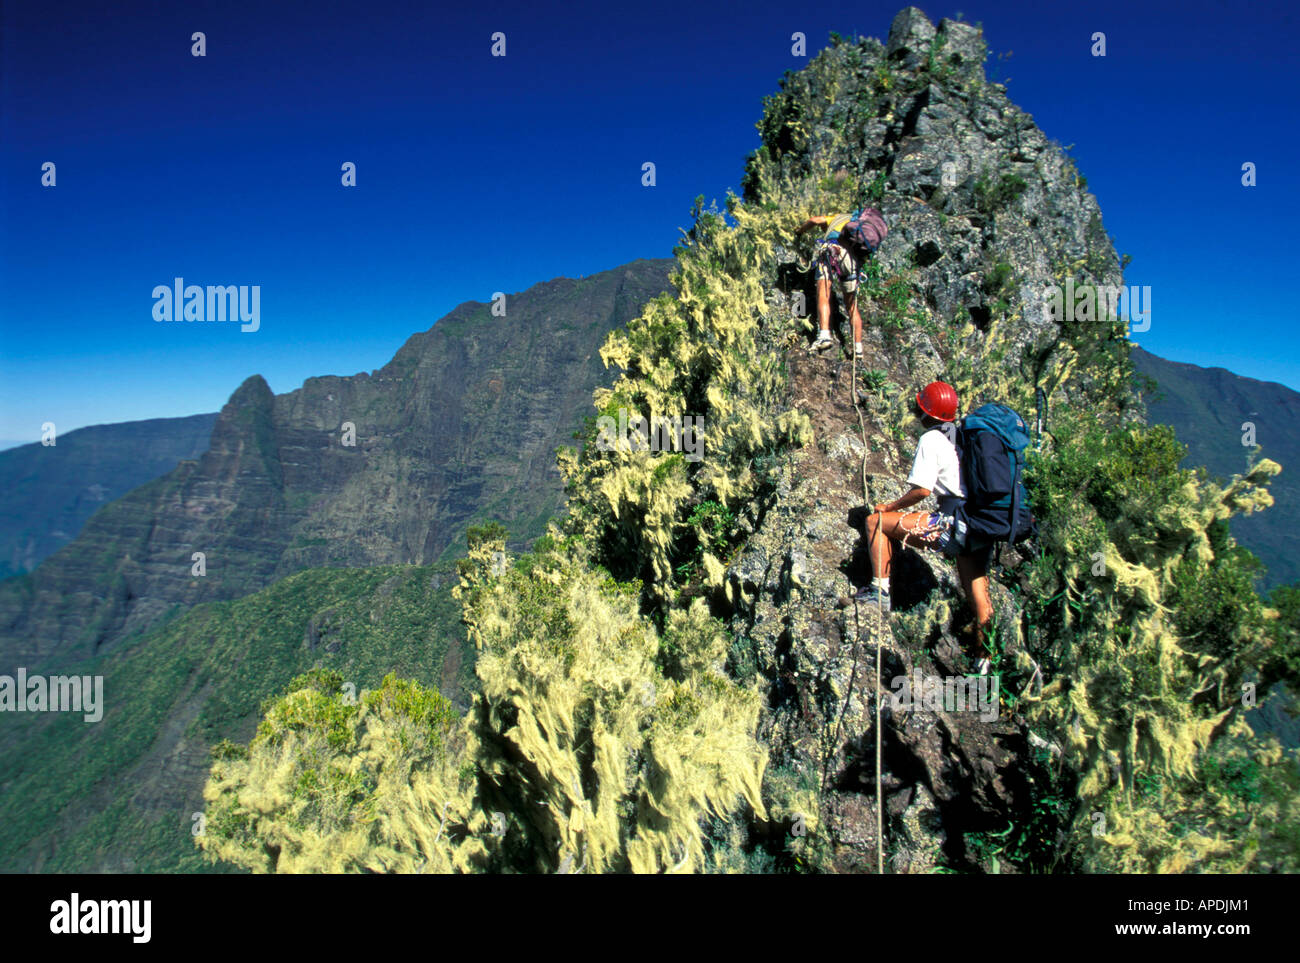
461 426
1207 408
51 491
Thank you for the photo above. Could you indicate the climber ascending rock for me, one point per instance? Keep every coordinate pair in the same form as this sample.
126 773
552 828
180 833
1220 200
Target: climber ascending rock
850 239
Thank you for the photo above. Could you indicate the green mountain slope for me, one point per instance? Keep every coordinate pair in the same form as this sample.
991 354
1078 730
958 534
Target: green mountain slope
1208 407
50 491
118 795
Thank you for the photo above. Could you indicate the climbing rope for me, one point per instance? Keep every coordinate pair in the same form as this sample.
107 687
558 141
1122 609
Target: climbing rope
1040 402
819 254
862 429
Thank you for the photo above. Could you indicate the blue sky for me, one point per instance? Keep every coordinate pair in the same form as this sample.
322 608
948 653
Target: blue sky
478 174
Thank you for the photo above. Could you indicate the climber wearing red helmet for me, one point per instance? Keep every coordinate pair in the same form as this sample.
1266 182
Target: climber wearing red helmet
938 400
935 471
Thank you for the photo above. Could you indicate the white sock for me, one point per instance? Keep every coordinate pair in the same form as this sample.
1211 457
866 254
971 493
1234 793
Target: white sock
857 345
823 335
883 585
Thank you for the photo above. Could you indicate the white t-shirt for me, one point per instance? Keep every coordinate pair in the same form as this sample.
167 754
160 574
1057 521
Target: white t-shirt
935 466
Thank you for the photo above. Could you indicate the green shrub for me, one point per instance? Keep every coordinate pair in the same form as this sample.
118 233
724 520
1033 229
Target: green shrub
992 195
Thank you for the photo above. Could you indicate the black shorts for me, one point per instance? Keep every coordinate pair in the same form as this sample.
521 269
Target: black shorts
956 538
951 538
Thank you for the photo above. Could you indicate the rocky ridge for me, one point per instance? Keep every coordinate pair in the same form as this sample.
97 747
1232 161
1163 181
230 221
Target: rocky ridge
972 189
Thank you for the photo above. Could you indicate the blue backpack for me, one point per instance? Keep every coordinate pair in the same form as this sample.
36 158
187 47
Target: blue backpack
991 443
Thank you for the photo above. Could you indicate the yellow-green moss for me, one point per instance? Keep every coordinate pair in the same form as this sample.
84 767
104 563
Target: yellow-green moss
602 761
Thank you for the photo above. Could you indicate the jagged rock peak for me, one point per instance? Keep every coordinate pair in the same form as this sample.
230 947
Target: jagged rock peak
254 392
912 37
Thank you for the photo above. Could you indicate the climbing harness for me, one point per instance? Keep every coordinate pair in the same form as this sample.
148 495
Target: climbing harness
921 528
822 254
835 257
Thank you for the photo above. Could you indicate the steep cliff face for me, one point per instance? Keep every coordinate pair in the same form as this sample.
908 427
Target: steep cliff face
461 425
987 210
815 653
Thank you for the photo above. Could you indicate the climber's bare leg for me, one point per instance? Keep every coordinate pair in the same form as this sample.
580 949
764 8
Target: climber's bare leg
852 298
824 304
884 527
975 580
879 547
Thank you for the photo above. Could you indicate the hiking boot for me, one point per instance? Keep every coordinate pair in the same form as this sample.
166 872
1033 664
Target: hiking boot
872 595
823 344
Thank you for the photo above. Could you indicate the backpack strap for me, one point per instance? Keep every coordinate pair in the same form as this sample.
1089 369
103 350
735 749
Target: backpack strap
1015 502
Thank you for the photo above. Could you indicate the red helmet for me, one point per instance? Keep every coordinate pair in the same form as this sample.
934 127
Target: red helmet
938 400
